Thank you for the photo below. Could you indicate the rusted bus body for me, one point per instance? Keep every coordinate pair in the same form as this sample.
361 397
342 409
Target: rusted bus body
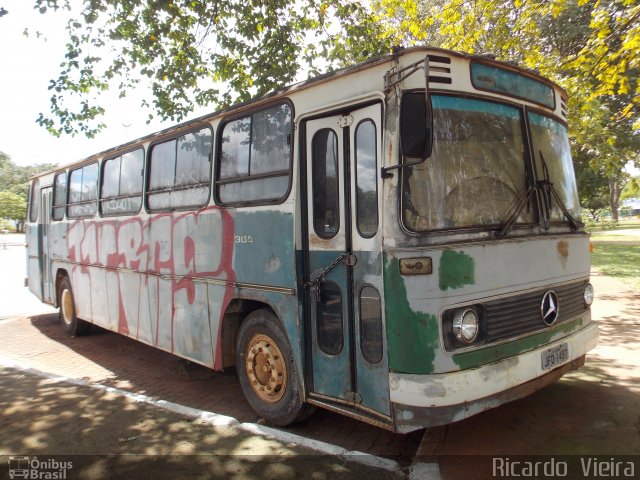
329 253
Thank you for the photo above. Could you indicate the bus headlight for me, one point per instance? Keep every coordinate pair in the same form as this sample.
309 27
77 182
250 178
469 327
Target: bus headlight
466 325
588 294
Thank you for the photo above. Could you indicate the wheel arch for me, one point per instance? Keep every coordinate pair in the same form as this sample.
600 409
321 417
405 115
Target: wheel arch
237 311
61 273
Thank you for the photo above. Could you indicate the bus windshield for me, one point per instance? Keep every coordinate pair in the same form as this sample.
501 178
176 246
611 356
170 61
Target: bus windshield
551 143
477 169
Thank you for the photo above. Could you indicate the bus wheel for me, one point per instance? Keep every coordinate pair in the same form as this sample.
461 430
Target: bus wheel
67 313
267 372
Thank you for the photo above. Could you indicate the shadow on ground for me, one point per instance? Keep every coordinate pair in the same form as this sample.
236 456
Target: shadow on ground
106 435
142 369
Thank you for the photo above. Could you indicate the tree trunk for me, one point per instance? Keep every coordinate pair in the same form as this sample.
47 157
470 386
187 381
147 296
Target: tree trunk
615 189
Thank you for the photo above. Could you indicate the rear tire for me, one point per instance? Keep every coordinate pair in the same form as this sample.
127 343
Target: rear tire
70 322
268 375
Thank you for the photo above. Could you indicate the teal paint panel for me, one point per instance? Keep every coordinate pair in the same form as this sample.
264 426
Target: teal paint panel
263 250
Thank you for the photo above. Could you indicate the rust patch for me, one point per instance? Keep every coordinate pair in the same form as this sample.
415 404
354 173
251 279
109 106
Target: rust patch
563 251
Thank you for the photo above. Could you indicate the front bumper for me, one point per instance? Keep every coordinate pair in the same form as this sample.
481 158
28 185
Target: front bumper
428 400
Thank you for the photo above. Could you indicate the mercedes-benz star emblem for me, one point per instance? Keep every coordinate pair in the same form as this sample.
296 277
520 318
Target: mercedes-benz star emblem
549 309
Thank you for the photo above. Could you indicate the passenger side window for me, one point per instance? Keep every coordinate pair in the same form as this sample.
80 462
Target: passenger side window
83 191
59 196
180 172
121 191
34 201
255 158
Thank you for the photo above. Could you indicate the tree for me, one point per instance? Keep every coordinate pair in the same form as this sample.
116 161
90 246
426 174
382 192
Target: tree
590 47
13 207
15 179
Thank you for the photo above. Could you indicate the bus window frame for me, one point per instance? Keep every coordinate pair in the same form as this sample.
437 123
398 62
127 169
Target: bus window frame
142 186
376 170
34 199
279 173
147 170
82 202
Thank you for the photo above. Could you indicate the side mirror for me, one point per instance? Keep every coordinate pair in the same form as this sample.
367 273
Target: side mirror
416 126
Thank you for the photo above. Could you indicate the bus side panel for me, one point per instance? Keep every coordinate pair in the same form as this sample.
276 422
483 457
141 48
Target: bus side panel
34 263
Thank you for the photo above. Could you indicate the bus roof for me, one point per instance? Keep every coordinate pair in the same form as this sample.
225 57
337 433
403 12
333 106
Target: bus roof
311 82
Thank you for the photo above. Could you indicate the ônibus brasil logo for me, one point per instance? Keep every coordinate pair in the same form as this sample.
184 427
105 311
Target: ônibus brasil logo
35 469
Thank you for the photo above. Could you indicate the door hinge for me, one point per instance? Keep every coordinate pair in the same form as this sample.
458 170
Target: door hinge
345 121
354 397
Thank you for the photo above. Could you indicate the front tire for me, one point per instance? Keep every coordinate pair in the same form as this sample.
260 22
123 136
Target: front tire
70 322
268 375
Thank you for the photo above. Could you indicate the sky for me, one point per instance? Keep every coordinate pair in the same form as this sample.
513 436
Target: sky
27 64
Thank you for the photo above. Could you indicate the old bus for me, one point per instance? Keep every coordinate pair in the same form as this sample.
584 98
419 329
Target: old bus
396 241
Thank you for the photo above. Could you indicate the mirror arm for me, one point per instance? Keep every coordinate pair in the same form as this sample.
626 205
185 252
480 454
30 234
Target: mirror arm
385 171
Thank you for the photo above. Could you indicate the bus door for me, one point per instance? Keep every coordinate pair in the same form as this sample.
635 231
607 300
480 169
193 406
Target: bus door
347 364
47 288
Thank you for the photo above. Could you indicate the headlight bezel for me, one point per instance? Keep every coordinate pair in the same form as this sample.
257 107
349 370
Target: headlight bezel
465 326
588 295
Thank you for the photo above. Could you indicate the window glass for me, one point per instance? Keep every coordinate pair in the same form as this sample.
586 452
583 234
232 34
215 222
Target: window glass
131 172
494 79
551 143
370 325
326 213
270 139
180 170
111 178
254 190
83 188
258 145
34 201
236 145
122 183
75 186
193 164
163 165
476 172
329 319
90 182
366 178
59 196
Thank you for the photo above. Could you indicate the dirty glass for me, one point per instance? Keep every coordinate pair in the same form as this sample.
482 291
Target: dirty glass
34 201
258 145
131 172
111 178
59 196
254 190
370 325
476 172
366 175
506 82
162 166
83 191
270 140
324 159
236 145
180 170
329 319
122 183
550 138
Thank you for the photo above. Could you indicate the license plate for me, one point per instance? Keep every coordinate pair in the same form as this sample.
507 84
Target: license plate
555 356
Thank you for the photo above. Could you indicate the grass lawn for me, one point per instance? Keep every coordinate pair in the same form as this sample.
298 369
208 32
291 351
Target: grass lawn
618 256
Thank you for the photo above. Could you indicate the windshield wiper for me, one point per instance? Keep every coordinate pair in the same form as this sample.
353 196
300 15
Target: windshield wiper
548 191
546 187
524 199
